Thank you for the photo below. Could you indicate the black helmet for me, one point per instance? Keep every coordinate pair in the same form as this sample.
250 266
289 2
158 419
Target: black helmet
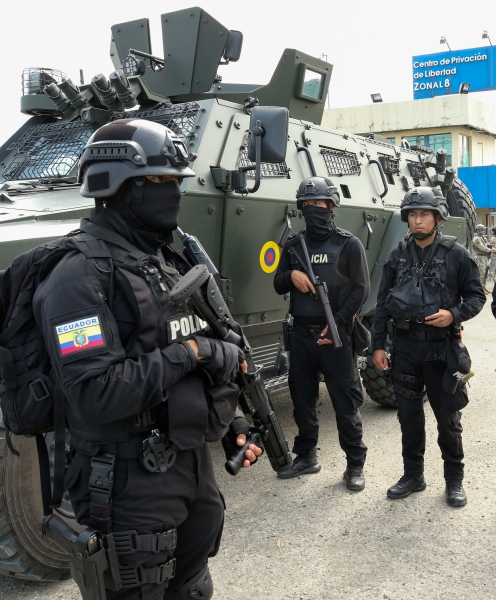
128 148
317 188
424 197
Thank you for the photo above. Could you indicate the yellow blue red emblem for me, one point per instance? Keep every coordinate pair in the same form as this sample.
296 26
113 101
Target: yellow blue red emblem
269 257
79 335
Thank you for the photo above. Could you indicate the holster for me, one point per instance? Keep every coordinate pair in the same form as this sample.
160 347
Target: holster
94 557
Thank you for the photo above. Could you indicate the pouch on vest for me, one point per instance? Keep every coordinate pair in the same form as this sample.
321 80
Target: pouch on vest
420 291
222 402
458 364
361 335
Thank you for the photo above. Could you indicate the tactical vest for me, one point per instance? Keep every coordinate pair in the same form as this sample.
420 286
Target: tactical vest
324 257
420 288
141 284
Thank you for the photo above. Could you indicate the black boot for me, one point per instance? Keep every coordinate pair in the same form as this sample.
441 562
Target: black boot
407 485
303 464
456 495
355 480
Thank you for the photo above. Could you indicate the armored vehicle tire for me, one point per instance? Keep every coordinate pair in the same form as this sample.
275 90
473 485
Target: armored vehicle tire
23 552
375 384
461 204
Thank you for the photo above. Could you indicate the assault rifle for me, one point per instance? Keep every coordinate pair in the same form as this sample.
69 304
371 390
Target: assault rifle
320 290
199 289
488 266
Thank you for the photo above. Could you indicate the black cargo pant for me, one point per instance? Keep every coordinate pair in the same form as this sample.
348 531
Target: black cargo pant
186 497
409 358
344 387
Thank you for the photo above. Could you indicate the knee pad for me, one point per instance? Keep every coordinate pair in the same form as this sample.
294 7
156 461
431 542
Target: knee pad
199 587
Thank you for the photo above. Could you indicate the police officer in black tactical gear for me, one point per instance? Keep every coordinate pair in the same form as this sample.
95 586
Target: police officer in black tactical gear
429 286
128 363
338 258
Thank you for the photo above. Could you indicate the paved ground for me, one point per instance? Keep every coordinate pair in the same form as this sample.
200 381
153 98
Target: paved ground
310 538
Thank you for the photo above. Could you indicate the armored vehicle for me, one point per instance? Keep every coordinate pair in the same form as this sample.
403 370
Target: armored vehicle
242 232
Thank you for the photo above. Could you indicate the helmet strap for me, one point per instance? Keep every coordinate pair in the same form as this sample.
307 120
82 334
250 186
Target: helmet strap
99 204
137 190
424 236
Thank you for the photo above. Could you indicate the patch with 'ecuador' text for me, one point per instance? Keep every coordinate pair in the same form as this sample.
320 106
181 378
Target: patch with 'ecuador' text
79 335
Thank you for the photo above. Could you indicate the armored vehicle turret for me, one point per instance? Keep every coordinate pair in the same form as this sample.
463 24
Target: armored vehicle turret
241 216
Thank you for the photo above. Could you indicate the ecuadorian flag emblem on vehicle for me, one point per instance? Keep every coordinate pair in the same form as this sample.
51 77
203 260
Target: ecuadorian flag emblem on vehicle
79 335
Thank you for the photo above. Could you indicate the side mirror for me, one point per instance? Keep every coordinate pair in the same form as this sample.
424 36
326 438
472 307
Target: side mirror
273 136
234 43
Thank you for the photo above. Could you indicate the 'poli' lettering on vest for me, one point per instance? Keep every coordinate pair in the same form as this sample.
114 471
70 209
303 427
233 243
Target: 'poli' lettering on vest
318 259
183 326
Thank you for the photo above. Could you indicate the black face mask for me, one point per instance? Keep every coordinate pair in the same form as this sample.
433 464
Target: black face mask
158 209
319 221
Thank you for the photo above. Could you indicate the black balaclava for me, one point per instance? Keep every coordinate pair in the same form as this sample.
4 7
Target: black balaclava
149 209
319 221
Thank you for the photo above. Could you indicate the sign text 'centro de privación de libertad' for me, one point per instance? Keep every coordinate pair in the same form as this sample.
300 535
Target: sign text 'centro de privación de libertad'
443 73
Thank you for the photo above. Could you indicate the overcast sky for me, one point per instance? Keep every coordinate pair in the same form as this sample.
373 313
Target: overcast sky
369 43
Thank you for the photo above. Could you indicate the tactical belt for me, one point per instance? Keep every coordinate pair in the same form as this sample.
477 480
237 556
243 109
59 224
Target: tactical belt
420 331
128 450
434 336
314 331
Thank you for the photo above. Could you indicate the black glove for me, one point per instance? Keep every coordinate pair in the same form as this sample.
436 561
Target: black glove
238 425
220 360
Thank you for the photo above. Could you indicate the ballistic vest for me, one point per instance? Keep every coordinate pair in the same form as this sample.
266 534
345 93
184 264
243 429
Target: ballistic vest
148 320
420 288
324 258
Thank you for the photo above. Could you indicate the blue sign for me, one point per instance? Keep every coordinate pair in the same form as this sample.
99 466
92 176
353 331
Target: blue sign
442 73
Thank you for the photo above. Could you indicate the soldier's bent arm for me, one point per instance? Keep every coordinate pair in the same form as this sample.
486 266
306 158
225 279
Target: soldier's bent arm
480 246
353 264
382 316
100 383
463 272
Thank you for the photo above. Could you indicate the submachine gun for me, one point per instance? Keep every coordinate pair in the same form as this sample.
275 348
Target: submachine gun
320 290
199 289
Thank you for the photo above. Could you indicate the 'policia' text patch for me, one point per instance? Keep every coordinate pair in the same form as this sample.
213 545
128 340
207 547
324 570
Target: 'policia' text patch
79 335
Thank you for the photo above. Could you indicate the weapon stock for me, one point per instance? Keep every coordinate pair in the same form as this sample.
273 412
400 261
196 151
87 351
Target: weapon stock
320 289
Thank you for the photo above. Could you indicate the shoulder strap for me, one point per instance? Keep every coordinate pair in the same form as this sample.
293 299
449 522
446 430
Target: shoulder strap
112 237
343 232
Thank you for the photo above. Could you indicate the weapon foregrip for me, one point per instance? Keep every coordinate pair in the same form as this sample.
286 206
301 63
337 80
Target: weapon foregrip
234 464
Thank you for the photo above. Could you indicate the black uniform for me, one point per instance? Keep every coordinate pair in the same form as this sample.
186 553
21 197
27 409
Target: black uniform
340 261
112 341
419 357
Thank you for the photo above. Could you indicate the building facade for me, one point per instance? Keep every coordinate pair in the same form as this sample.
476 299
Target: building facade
461 124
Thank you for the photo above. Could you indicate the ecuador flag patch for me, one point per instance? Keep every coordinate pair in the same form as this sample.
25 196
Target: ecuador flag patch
79 335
